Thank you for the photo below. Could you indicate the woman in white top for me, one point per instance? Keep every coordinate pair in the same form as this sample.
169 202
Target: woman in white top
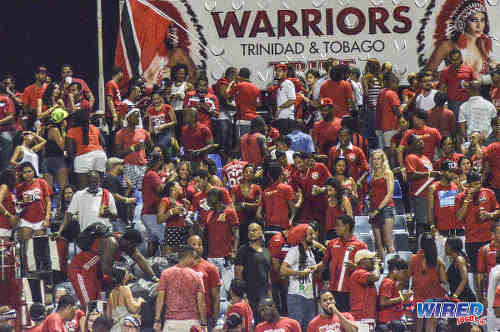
121 302
27 151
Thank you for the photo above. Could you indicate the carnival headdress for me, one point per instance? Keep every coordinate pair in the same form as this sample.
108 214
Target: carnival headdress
452 19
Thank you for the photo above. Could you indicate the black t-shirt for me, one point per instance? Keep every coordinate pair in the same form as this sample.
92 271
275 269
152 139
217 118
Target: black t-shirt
256 268
114 185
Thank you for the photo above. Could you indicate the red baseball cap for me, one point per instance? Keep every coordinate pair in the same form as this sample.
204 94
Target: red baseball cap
279 66
41 69
326 101
297 234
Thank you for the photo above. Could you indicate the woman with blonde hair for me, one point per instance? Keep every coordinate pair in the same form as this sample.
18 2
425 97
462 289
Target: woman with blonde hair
381 189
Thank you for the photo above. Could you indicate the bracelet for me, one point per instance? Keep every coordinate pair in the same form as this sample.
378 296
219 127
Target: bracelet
132 148
401 296
455 296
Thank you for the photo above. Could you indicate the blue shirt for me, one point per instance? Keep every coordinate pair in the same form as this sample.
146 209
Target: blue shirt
301 142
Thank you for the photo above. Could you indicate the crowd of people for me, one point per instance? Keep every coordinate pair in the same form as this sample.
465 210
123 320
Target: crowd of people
255 197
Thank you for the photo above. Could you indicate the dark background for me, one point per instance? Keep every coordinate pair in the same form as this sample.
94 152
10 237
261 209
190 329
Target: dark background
55 32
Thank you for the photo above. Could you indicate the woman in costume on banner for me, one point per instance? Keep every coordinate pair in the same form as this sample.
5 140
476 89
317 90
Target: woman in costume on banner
463 25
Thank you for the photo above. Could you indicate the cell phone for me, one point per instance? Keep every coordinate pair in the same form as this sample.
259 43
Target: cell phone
96 306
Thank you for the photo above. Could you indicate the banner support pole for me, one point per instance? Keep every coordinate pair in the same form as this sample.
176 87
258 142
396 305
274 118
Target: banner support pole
102 100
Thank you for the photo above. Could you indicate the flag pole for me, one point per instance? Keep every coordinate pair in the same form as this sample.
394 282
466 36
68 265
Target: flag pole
102 100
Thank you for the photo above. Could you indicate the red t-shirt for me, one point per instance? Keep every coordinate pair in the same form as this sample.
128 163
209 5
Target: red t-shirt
54 323
377 193
250 148
332 214
325 134
243 309
495 97
76 134
161 116
444 206
253 196
272 136
275 202
388 288
454 79
334 256
355 157
200 204
442 119
175 220
233 172
386 119
278 248
192 99
322 323
35 192
487 259
9 204
196 138
220 234
125 139
32 93
181 286
426 283
363 295
151 198
415 163
211 279
431 137
113 90
284 324
492 154
7 108
477 230
340 92
247 97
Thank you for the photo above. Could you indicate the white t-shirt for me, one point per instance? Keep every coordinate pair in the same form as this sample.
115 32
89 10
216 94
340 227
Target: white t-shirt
286 92
358 92
300 286
88 207
493 281
477 112
426 103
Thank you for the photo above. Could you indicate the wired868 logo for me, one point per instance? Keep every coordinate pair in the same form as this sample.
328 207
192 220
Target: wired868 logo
464 312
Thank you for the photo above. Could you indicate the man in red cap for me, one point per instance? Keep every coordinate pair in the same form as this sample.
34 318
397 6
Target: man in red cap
285 100
299 265
325 132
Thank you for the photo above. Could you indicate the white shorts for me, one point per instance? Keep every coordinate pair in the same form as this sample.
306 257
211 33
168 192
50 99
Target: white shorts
91 161
5 232
388 136
179 325
34 226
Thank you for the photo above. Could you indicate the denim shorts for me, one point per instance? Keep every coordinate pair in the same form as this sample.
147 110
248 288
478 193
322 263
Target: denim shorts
386 213
52 165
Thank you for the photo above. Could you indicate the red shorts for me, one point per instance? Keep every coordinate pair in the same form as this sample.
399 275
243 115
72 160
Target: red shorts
86 284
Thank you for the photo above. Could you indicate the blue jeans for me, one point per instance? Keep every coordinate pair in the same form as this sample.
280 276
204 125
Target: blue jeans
6 147
223 133
368 120
300 309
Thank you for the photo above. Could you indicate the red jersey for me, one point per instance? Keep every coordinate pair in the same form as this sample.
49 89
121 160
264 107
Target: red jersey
275 201
487 257
444 206
477 230
7 108
354 156
90 260
193 100
220 232
495 97
54 323
388 289
151 198
76 134
340 92
325 134
454 80
196 138
35 193
334 256
175 220
211 279
284 324
415 163
125 139
443 120
363 295
322 323
385 118
233 172
32 93
430 136
377 193
247 97
426 283
253 196
9 203
491 154
200 203
250 148
161 116
112 90
332 214
243 309
278 248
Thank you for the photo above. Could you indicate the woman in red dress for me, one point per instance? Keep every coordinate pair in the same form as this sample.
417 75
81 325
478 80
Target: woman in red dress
338 205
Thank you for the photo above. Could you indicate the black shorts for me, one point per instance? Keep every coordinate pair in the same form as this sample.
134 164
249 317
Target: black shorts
175 236
472 250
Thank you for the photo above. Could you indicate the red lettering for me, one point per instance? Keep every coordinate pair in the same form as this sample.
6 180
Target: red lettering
351 30
256 27
308 22
378 22
329 21
231 20
283 23
402 19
